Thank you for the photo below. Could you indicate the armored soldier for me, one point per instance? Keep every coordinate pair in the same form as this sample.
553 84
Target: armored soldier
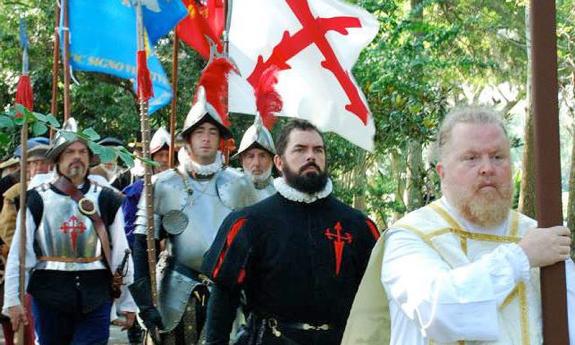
297 256
190 202
256 154
74 240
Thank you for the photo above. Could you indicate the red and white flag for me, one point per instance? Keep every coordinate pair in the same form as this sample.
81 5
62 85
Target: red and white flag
315 45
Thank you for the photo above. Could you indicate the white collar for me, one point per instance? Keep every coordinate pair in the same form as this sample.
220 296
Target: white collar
197 168
293 194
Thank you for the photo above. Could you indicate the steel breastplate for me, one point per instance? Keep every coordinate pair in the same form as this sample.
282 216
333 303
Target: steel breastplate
202 210
66 238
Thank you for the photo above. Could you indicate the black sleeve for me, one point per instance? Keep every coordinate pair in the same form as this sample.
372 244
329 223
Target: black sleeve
367 237
226 260
140 256
35 205
109 202
222 306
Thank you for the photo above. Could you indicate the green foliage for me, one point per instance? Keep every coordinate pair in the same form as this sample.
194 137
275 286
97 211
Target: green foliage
14 119
419 64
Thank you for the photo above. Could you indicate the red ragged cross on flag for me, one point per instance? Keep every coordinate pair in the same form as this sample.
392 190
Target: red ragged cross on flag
314 44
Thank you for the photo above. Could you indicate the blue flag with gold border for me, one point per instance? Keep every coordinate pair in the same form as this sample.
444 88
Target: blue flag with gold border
103 39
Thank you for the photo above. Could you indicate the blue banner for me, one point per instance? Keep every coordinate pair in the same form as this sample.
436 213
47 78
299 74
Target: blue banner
103 39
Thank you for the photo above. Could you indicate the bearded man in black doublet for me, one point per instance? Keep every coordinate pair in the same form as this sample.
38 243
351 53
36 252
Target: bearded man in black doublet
298 256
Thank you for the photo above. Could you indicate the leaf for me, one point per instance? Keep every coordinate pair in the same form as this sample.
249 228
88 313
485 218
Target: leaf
69 136
52 121
38 128
4 139
21 109
107 154
91 134
40 117
126 157
6 122
95 148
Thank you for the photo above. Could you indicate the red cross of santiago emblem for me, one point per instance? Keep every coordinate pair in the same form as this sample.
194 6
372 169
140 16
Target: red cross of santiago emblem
313 31
339 240
74 227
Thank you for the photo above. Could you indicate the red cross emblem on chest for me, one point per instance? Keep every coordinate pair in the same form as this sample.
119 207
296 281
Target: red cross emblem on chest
313 32
74 227
339 241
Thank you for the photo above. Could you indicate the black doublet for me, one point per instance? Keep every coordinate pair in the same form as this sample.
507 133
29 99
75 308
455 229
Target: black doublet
282 254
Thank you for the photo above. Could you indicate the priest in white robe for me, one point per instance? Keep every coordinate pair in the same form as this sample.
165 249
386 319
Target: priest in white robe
464 269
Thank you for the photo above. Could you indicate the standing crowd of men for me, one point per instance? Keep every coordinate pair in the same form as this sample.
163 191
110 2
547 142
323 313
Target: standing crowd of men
250 259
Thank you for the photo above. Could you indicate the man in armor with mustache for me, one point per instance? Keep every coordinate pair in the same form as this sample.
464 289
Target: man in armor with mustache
297 257
74 241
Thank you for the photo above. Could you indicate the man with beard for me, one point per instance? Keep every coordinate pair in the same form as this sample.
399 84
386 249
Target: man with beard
466 267
256 154
74 241
297 257
190 203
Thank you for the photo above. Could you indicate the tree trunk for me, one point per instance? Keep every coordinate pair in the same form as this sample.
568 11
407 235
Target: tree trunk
397 169
359 180
527 193
413 191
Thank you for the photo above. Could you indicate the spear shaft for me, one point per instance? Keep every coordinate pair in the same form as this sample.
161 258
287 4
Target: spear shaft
148 189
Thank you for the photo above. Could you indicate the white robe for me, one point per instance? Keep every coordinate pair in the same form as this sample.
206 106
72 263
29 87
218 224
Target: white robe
428 299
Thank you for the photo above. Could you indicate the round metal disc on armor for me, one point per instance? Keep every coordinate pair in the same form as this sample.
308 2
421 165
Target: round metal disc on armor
86 206
175 222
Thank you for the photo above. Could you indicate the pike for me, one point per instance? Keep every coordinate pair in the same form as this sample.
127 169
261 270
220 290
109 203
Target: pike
144 93
23 97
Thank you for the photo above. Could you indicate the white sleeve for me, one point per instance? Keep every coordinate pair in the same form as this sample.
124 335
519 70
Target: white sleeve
450 304
119 246
11 283
570 279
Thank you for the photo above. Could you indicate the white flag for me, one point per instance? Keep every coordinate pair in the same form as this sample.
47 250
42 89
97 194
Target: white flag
315 44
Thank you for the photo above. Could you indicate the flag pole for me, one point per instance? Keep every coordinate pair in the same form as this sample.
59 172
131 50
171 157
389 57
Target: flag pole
547 162
66 59
55 66
173 113
144 93
23 97
226 41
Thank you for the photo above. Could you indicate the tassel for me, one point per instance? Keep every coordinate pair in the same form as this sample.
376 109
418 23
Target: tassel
24 93
145 90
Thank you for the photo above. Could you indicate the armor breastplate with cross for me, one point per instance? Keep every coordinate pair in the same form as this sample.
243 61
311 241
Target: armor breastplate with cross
66 238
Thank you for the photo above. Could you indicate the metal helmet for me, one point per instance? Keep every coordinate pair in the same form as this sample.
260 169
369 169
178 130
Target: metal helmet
160 139
202 111
257 136
61 143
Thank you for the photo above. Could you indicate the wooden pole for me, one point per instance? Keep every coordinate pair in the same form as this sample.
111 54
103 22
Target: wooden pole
547 157
22 214
66 59
148 188
174 110
55 65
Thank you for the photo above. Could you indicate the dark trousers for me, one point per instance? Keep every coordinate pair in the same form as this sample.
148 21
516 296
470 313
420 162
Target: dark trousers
54 327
